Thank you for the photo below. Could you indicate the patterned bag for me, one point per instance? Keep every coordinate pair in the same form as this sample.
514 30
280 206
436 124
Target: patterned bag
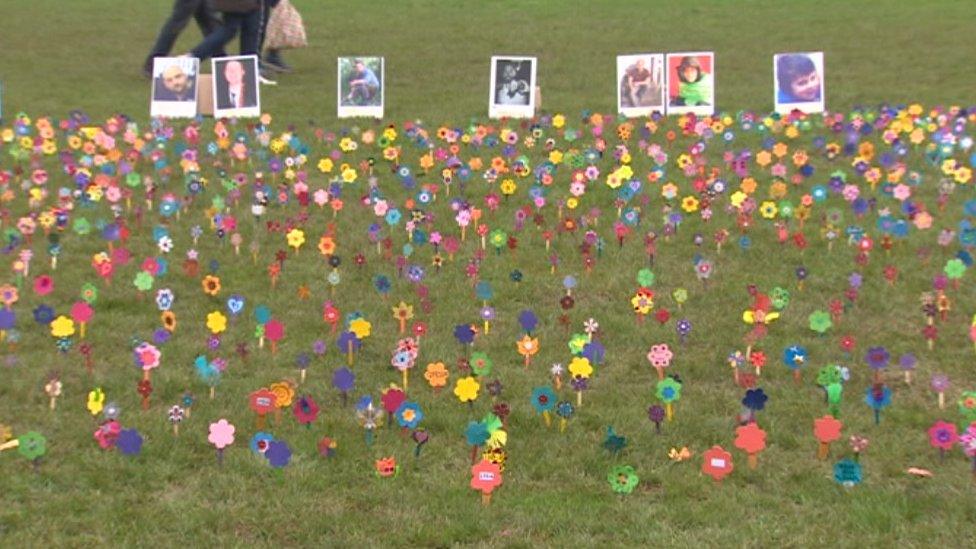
285 28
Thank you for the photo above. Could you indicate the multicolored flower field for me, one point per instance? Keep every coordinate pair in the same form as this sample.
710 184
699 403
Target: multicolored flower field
575 329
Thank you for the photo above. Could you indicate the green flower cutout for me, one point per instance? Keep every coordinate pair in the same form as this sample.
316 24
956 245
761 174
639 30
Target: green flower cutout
576 343
668 390
680 295
645 277
967 405
32 445
780 298
828 375
497 238
785 209
623 479
481 364
820 322
143 281
954 268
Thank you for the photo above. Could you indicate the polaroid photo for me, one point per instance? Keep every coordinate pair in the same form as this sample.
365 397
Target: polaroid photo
236 93
361 82
691 83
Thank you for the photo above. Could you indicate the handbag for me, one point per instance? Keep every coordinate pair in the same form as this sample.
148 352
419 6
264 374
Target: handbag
236 6
285 28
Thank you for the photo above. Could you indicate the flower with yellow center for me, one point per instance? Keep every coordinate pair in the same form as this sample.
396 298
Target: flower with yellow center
295 237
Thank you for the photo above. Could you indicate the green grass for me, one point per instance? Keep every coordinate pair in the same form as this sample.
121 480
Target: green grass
555 492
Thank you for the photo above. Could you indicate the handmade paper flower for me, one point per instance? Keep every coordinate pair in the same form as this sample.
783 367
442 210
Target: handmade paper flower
481 365
278 454
31 445
716 463
485 477
216 322
408 415
211 285
62 326
877 358
668 390
755 400
361 328
466 389
642 301
305 410
221 434
527 346
580 367
660 355
820 321
107 434
623 479
260 442
543 399
284 392
129 442
436 374
967 405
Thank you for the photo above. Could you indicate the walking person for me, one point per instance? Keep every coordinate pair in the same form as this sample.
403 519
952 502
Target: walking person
240 16
206 17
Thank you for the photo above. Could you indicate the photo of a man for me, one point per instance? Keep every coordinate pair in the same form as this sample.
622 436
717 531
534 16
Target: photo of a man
361 81
174 87
236 86
173 84
640 84
361 86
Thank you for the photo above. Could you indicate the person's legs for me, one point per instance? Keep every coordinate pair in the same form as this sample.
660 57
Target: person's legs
208 19
216 40
182 11
251 32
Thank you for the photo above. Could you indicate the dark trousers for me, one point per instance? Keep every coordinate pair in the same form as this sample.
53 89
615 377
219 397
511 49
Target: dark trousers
265 15
248 24
183 11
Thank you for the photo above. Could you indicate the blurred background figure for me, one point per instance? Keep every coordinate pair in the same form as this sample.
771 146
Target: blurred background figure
240 16
183 10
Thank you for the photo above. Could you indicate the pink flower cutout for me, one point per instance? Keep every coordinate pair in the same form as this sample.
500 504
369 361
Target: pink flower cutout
221 434
660 356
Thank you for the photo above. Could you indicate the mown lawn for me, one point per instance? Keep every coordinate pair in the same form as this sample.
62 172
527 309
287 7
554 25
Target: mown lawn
59 57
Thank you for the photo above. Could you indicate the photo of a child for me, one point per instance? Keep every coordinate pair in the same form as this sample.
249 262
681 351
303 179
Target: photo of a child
798 81
691 83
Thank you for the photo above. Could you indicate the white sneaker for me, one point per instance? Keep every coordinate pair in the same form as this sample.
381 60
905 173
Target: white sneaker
266 81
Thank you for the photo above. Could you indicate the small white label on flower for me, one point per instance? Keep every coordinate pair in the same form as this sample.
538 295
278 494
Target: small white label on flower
718 463
486 476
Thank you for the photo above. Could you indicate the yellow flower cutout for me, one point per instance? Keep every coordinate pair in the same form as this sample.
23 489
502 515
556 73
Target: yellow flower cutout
216 322
580 367
349 175
96 401
62 327
296 237
751 317
558 121
466 389
284 393
361 327
325 165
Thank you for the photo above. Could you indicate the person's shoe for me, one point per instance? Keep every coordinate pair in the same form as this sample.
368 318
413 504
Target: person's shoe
267 67
264 80
273 59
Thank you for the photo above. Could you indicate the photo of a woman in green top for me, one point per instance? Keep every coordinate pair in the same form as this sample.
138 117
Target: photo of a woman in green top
695 86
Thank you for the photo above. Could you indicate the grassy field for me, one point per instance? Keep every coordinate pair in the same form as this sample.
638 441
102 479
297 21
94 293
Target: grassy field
60 57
